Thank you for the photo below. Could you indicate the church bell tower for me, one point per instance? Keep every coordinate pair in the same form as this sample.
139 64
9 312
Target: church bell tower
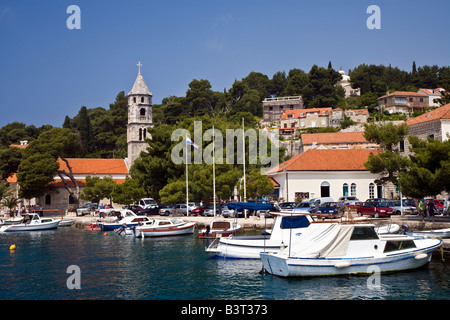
139 117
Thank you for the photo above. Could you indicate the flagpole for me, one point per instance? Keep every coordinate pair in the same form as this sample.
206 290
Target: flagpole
214 173
245 180
243 147
187 190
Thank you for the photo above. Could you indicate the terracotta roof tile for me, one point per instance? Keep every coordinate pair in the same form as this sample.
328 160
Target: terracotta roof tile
438 113
327 160
404 93
95 166
301 113
333 137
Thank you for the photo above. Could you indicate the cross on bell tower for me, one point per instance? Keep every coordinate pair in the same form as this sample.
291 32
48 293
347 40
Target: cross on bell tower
139 117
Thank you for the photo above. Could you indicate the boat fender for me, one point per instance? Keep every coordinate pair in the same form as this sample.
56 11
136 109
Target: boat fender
421 256
12 247
342 264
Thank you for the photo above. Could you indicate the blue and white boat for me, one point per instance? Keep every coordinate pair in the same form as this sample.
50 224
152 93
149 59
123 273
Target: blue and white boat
335 249
32 222
286 227
126 218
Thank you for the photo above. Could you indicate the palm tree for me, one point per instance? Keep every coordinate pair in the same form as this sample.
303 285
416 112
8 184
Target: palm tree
10 203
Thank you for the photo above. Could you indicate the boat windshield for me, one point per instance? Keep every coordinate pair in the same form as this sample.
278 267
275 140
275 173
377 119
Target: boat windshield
294 222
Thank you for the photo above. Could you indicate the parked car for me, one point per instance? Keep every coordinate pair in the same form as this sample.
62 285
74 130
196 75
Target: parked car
198 211
134 208
287 206
349 200
396 205
209 212
86 209
319 201
305 207
146 202
166 210
153 209
377 200
374 209
230 213
439 205
330 208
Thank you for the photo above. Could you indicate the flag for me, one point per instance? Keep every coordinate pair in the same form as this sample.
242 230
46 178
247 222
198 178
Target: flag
189 141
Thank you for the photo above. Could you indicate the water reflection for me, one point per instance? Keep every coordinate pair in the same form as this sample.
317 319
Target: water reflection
114 267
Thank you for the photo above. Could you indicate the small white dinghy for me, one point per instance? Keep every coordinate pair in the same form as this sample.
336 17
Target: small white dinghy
438 233
159 228
32 222
333 249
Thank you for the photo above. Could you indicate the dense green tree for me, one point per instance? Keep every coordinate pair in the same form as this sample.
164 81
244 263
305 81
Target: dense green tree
321 91
128 192
39 164
258 185
389 162
428 172
98 188
10 159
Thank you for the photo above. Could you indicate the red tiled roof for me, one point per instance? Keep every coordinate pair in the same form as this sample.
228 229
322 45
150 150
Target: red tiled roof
81 182
404 93
95 166
301 113
333 137
274 182
327 160
438 113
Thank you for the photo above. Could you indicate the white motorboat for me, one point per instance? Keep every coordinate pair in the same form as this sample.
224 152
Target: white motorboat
66 222
219 228
286 227
32 222
160 228
334 249
437 233
127 217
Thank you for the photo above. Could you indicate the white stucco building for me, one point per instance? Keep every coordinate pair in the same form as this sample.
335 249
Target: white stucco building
326 173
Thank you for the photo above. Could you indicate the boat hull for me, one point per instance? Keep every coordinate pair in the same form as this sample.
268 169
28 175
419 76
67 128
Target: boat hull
283 266
440 233
114 226
31 227
243 248
147 232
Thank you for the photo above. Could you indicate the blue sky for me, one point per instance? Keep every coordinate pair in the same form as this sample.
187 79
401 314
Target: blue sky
48 71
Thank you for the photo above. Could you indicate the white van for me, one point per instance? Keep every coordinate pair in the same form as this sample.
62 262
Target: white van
146 202
318 201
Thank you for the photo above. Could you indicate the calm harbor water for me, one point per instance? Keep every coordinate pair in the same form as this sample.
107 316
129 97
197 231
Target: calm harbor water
177 268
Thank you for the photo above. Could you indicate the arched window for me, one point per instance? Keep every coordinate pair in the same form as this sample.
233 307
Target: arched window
140 134
142 99
371 190
142 112
324 189
134 99
145 133
345 190
353 190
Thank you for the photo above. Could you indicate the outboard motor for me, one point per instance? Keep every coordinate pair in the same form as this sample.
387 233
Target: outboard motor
405 229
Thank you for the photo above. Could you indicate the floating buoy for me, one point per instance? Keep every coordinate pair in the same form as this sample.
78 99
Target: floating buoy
105 234
12 247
